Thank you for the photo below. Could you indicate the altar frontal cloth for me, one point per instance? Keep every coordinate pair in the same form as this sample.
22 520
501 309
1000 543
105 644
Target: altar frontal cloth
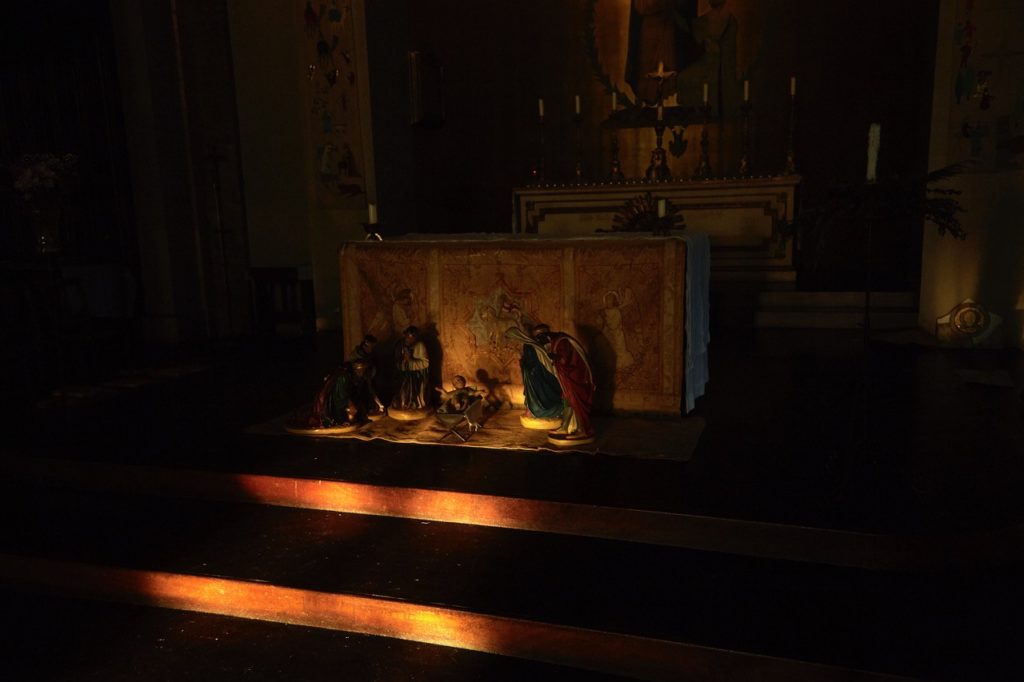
622 296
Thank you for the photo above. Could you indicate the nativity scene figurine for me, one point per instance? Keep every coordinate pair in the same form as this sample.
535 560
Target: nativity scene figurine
577 381
542 391
551 355
459 398
344 402
412 365
364 352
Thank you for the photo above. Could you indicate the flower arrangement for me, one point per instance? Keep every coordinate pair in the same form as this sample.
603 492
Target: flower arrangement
640 214
42 174
43 181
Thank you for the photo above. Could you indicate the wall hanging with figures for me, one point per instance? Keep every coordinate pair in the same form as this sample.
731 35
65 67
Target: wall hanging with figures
334 102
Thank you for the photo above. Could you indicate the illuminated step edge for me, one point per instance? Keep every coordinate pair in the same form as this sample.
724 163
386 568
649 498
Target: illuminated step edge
703 533
811 318
604 652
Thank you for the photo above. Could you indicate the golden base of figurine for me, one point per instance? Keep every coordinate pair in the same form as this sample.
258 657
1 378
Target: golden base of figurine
539 423
300 430
568 440
409 415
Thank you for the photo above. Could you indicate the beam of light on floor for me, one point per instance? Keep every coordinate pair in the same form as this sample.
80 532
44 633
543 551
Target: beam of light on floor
605 652
733 536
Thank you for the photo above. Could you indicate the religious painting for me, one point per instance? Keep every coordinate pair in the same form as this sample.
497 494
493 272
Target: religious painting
717 42
334 102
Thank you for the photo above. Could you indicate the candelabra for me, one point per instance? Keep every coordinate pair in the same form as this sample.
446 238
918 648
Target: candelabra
703 171
745 140
790 168
537 170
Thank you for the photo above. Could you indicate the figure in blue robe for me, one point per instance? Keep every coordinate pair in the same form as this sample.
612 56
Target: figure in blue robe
540 383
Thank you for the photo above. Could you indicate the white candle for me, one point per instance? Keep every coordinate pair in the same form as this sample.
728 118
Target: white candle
792 86
577 105
373 213
746 91
705 93
661 208
874 140
615 101
659 112
540 108
661 68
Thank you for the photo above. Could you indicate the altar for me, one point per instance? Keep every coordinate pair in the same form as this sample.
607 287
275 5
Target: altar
746 218
623 296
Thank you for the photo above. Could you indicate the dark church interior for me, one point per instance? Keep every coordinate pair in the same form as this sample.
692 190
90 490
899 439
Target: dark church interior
766 254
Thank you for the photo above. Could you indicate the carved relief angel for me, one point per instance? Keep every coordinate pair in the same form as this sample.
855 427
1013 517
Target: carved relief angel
612 325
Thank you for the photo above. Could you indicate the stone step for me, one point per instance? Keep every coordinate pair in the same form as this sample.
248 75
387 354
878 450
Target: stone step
63 638
759 539
765 275
880 300
833 319
613 607
777 307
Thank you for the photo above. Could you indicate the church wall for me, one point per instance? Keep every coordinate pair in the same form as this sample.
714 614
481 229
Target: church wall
180 123
989 265
293 221
174 308
855 62
265 43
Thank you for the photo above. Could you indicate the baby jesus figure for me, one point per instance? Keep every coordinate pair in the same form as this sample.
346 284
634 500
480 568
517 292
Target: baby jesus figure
459 398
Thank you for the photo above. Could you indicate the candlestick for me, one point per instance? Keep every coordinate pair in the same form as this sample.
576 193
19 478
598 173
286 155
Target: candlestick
660 113
578 120
874 140
705 93
615 101
746 91
661 208
745 137
373 213
790 167
703 171
616 170
537 169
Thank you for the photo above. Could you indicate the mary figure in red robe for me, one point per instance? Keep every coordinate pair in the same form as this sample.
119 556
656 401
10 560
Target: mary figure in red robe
577 380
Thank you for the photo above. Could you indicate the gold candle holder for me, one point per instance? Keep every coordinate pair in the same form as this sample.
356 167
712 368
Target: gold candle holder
578 122
537 170
703 171
790 167
745 140
616 174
